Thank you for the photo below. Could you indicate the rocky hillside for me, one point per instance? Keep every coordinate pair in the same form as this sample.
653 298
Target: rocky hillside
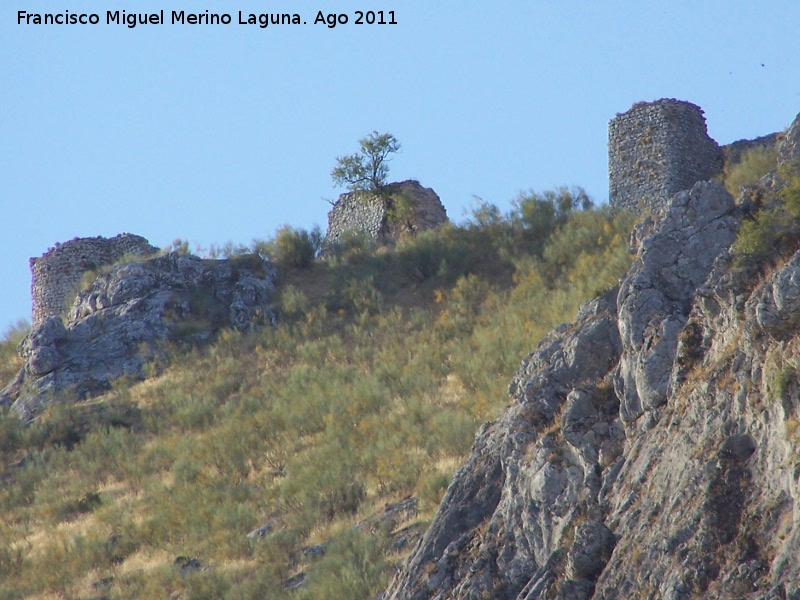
121 323
300 460
651 447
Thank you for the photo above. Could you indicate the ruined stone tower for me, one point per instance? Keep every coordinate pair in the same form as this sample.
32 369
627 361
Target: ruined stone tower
368 215
56 274
657 149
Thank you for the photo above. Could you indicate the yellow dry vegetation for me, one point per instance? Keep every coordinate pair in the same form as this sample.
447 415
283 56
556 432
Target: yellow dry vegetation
369 389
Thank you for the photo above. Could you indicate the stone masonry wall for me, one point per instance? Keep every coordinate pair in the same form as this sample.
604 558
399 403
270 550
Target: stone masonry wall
733 152
56 274
368 215
657 149
350 213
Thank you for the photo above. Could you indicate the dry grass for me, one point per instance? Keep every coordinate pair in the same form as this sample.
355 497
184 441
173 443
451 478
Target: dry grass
145 560
318 421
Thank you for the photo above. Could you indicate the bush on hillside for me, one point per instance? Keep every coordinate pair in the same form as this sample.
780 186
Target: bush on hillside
775 228
753 165
292 248
10 360
533 219
354 566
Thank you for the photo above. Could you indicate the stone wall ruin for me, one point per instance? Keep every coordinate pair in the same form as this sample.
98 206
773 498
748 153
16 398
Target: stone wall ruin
55 276
655 150
367 214
734 152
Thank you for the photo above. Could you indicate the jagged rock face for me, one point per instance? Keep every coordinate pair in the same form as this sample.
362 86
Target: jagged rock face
789 148
508 508
122 322
656 294
651 449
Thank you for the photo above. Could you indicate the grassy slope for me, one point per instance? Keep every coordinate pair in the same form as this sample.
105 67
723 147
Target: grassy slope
369 389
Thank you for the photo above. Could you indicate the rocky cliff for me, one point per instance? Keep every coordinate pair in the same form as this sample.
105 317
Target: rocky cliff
123 321
650 449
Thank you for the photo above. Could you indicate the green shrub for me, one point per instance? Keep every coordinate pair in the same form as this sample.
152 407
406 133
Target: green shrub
355 296
14 333
400 207
452 433
753 165
783 380
206 585
790 195
10 360
541 214
292 303
227 250
775 228
178 245
79 506
762 235
13 434
12 556
534 218
432 487
485 214
354 568
327 481
293 248
422 257
446 253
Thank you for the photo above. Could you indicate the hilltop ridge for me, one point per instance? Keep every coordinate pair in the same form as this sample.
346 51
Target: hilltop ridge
276 425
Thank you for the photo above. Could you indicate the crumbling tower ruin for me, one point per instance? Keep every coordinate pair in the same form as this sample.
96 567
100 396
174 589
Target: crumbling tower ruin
657 149
56 275
367 214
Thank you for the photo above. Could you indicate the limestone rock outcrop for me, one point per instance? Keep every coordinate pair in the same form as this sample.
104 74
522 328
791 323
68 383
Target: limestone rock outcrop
652 447
655 296
789 147
121 323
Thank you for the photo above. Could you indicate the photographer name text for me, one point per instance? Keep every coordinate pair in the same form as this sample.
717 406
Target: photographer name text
182 17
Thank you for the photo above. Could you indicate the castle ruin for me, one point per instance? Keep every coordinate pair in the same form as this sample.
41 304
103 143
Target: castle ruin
656 149
55 276
369 215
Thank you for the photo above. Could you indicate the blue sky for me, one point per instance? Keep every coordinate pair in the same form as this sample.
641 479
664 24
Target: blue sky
223 133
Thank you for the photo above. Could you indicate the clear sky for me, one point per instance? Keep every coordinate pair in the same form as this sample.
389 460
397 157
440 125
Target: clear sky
216 133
